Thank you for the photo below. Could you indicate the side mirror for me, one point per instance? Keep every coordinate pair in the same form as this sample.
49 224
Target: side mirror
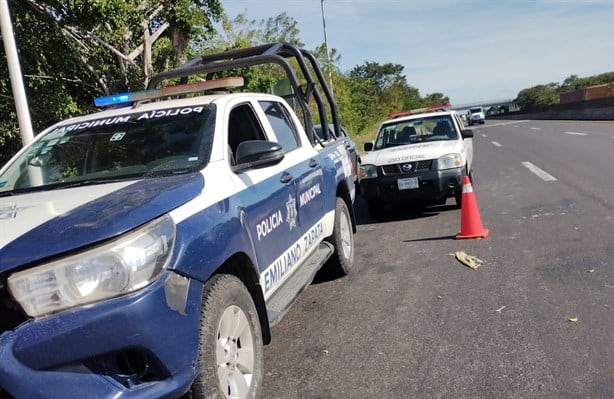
467 133
252 154
368 147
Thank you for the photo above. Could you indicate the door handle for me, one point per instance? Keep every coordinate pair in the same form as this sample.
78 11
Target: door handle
285 177
313 163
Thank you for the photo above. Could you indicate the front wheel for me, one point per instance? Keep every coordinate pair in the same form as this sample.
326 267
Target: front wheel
458 196
341 261
230 350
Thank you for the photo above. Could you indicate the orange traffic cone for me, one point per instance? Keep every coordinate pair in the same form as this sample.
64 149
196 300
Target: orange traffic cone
471 222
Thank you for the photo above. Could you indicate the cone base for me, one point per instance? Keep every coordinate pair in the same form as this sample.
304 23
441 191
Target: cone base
481 234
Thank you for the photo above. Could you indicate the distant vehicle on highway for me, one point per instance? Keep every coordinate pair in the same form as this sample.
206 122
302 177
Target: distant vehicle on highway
419 157
476 115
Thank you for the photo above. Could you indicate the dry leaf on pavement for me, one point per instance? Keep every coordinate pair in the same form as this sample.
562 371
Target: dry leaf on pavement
468 260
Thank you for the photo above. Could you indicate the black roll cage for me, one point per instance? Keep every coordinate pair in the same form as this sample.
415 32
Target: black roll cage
274 53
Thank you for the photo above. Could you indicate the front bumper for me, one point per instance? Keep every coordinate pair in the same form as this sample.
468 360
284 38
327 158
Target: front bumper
142 345
433 186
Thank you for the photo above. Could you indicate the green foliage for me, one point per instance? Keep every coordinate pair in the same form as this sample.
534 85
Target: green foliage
382 76
538 96
376 90
541 96
72 51
436 99
573 82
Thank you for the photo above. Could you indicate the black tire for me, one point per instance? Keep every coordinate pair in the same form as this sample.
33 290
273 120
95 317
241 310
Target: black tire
341 261
458 199
229 329
459 194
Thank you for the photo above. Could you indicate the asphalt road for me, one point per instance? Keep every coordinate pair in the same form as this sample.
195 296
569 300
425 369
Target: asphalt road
413 322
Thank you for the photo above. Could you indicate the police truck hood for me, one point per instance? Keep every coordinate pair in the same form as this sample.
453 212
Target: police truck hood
412 152
42 224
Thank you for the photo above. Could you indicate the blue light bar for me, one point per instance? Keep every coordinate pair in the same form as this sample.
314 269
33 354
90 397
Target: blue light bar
111 100
127 98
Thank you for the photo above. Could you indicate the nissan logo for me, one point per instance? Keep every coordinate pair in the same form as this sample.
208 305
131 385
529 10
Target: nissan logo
406 167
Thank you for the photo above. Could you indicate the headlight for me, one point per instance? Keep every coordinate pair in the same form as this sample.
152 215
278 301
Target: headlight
124 265
450 161
367 171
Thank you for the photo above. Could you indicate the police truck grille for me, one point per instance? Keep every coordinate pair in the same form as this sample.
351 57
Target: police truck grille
398 169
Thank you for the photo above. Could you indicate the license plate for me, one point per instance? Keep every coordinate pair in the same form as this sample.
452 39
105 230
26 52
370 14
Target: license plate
408 183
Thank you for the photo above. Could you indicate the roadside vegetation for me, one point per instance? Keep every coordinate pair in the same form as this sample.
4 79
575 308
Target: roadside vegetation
544 95
73 51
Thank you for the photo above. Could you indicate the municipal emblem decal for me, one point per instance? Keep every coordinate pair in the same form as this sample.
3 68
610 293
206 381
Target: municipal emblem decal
291 212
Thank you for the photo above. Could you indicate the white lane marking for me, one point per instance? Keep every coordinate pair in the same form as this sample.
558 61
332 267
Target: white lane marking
497 144
535 128
545 176
507 123
483 135
576 133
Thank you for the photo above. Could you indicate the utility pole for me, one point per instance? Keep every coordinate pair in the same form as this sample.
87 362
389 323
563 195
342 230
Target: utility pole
330 75
21 102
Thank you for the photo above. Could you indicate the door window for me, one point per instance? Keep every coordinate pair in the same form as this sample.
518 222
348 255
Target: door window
281 123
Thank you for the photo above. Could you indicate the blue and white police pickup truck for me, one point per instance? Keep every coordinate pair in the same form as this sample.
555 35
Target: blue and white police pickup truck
146 250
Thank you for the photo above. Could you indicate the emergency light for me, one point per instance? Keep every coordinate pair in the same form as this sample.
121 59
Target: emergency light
125 98
414 111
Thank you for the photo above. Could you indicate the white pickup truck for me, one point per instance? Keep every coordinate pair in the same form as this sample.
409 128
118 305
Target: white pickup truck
476 115
419 158
147 249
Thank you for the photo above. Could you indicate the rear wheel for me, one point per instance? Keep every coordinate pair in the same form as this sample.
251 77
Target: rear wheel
341 261
230 351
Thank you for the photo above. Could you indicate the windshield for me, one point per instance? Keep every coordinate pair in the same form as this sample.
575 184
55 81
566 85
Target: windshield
474 110
153 143
417 130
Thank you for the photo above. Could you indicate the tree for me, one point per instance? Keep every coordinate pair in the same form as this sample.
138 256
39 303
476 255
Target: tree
242 32
548 94
570 84
538 96
379 89
383 76
573 82
74 50
436 99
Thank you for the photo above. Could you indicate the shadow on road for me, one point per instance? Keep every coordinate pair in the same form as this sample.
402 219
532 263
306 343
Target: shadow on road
390 213
396 212
442 238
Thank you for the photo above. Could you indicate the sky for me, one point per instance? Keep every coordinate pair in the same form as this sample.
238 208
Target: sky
471 50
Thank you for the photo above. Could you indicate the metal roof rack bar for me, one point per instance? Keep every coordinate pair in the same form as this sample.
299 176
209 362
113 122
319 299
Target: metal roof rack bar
274 53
